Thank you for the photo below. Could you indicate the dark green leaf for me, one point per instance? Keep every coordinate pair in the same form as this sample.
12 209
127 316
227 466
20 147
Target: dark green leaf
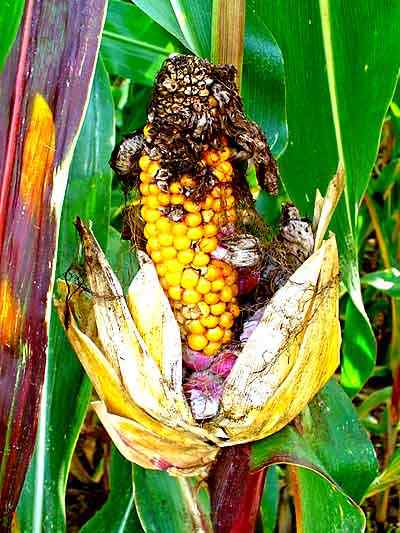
328 439
167 504
270 501
10 18
133 45
42 504
118 514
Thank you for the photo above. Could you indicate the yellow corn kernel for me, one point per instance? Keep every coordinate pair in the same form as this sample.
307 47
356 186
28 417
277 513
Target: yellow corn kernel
217 285
218 308
175 293
191 296
181 242
211 157
215 334
177 199
163 225
193 219
153 243
165 239
173 265
146 178
234 309
144 188
190 278
211 348
150 215
195 326
156 256
209 244
211 298
209 321
164 198
153 168
175 188
213 273
200 260
194 234
153 189
207 204
226 320
210 230
191 207
152 202
144 162
179 228
226 294
161 269
168 252
185 256
187 181
203 286
173 278
197 342
227 336
225 167
204 309
207 215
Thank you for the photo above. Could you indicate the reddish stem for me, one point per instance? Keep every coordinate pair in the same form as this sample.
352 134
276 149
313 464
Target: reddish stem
235 491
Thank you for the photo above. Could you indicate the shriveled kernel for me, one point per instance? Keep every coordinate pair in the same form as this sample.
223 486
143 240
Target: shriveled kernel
191 207
209 244
215 334
175 293
217 285
207 204
191 296
173 278
193 219
216 192
200 259
195 326
217 205
179 228
219 175
168 252
226 320
226 294
188 182
185 256
209 321
203 286
229 202
231 215
218 308
207 215
210 230
181 242
211 298
144 162
197 342
194 234
234 309
225 167
190 278
225 153
212 348
164 198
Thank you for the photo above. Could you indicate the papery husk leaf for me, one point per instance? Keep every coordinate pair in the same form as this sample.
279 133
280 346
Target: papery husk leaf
119 337
180 453
289 357
159 330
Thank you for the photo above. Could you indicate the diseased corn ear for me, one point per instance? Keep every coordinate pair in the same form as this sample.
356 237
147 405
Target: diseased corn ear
180 452
289 357
159 330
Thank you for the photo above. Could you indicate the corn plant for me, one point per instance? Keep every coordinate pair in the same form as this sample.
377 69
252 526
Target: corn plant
196 314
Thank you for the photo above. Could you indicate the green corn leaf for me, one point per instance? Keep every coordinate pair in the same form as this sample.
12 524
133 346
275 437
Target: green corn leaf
118 514
42 504
165 503
328 440
269 502
10 18
44 92
133 44
390 476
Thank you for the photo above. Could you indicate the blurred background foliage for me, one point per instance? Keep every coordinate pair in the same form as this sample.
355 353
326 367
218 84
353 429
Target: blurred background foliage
323 90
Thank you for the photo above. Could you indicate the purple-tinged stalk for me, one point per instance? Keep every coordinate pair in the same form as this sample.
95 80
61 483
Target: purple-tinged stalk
42 103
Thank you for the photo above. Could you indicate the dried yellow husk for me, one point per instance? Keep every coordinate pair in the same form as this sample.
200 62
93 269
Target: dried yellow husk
133 356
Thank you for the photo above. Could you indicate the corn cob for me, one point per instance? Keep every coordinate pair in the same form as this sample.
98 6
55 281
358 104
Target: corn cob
201 290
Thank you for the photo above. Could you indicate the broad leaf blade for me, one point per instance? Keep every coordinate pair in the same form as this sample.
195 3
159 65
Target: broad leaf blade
118 514
329 440
387 281
165 503
42 504
43 99
133 45
388 478
10 18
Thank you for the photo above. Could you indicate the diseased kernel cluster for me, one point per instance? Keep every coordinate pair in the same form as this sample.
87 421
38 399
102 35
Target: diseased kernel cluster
202 290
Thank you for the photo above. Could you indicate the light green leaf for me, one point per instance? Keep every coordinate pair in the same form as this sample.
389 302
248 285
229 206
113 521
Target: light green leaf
387 281
10 18
389 477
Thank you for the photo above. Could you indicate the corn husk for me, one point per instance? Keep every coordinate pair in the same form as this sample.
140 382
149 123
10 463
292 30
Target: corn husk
131 350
